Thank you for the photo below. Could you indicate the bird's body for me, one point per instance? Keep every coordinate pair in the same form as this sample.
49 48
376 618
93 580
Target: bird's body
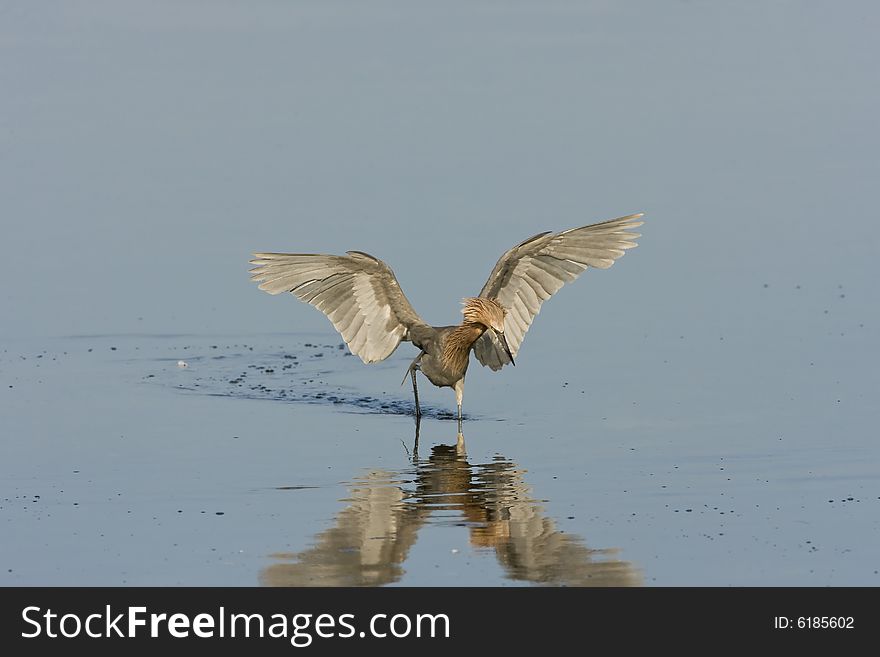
362 298
446 372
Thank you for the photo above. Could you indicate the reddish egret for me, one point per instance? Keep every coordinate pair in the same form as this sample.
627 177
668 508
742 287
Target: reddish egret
362 298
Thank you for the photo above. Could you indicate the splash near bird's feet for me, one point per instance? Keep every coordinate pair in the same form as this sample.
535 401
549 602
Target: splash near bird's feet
308 372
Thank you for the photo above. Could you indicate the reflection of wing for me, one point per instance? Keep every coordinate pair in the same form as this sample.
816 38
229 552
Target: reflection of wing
536 551
503 516
370 540
527 543
531 272
357 292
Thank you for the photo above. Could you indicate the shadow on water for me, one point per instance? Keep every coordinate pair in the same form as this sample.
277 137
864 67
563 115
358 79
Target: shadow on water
373 534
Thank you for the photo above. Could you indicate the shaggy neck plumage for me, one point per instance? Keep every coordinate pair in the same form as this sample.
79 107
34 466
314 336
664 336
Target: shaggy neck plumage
456 351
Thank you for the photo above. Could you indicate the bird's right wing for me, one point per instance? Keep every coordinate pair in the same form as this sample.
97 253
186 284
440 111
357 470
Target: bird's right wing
534 270
359 294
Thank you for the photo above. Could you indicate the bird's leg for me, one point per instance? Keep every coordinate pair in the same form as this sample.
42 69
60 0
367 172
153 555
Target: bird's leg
415 452
416 395
459 393
413 366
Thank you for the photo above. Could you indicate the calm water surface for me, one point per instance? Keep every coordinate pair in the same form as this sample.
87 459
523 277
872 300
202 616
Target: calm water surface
703 413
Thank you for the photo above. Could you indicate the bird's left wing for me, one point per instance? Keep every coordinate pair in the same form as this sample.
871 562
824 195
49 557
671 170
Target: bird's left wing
534 270
359 294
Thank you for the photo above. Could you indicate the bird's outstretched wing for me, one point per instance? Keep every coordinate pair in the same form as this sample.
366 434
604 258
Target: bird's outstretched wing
358 293
534 270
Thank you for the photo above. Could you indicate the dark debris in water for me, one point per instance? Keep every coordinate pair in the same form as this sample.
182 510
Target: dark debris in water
296 381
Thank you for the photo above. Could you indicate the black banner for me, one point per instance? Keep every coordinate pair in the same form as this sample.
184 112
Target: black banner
327 621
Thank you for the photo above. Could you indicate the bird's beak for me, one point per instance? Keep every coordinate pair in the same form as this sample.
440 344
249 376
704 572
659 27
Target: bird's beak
506 347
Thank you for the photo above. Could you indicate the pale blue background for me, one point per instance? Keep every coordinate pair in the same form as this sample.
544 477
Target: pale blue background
147 148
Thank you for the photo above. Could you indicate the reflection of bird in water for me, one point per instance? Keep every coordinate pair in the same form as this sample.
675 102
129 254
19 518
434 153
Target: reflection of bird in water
370 541
361 296
373 534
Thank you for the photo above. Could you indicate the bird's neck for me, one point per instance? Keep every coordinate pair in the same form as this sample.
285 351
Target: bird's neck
456 351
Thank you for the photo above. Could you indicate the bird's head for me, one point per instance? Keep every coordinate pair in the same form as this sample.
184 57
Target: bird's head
490 314
487 312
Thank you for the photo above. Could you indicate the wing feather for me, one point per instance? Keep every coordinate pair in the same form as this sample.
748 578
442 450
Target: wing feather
534 270
358 293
